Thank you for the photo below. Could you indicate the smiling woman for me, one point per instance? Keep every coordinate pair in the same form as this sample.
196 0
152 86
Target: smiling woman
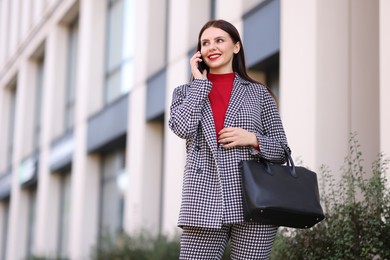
217 50
225 117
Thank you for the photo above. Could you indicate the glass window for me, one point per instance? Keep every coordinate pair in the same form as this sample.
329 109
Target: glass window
38 104
11 125
119 49
5 228
71 75
63 238
32 192
213 7
267 72
112 199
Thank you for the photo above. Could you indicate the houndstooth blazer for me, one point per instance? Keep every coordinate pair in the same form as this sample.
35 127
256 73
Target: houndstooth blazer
211 193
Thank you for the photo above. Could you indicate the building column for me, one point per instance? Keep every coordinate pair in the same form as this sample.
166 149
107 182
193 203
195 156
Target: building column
177 74
333 64
332 84
384 89
14 26
144 143
37 11
46 237
18 215
298 77
364 77
85 174
4 31
232 14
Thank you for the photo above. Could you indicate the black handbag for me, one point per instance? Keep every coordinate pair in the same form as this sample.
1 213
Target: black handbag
280 195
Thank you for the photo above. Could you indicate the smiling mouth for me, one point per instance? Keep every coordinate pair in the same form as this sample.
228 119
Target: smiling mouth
214 56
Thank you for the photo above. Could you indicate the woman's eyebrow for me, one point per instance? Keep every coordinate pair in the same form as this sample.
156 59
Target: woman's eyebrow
215 38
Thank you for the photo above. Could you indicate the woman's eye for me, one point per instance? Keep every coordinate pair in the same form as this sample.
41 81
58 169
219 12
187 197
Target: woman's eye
220 40
204 43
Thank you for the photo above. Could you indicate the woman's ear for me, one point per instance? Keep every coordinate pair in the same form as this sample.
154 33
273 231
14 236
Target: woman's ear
237 47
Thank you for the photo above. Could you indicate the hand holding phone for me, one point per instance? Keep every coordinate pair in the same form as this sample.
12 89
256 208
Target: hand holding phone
198 67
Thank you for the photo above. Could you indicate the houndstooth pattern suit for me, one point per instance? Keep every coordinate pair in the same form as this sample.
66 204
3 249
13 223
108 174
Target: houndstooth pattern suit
211 194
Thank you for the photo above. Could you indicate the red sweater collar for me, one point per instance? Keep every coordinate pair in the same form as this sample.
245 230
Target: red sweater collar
221 78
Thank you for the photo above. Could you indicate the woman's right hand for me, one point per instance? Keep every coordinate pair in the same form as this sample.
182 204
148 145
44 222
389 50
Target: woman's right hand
194 67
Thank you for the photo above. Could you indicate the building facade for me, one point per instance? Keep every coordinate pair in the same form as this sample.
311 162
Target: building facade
85 90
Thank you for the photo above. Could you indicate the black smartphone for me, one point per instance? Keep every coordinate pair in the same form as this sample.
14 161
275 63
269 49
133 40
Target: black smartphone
202 66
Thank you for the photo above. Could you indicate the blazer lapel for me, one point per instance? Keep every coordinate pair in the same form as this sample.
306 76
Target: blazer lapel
235 103
208 125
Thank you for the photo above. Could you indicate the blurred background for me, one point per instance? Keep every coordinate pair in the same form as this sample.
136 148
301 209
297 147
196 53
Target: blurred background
85 90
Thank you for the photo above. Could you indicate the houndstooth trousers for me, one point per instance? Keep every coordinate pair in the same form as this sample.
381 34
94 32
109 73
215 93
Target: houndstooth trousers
248 241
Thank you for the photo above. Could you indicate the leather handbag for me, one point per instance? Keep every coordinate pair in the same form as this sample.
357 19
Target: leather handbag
280 195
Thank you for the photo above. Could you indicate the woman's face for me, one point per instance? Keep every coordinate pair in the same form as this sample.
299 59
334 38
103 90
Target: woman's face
217 49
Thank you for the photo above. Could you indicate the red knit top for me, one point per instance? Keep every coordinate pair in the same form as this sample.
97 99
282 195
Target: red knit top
219 97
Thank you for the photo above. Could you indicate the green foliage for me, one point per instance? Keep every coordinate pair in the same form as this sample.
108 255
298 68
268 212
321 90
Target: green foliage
357 223
141 247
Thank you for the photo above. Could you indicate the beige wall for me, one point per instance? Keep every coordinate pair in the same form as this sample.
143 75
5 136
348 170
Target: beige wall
298 77
384 65
364 74
329 75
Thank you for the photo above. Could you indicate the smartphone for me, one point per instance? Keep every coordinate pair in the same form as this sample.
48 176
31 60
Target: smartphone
202 66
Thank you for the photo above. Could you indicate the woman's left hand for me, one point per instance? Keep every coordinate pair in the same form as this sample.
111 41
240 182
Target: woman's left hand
234 136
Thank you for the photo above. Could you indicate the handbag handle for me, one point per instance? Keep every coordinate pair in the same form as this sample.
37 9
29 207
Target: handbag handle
290 162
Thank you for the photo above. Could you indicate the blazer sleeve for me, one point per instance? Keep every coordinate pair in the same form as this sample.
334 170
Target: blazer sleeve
186 108
272 138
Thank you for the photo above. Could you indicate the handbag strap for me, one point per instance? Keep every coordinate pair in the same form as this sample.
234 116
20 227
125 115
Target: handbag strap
290 162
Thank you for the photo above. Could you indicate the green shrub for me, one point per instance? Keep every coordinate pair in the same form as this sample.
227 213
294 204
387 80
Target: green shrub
141 247
357 223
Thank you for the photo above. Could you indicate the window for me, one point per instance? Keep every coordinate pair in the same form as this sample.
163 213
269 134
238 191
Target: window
263 18
112 198
71 75
4 228
213 7
32 195
11 125
267 72
38 104
119 49
64 214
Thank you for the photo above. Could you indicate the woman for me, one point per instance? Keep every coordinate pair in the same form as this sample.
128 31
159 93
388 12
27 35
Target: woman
225 117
